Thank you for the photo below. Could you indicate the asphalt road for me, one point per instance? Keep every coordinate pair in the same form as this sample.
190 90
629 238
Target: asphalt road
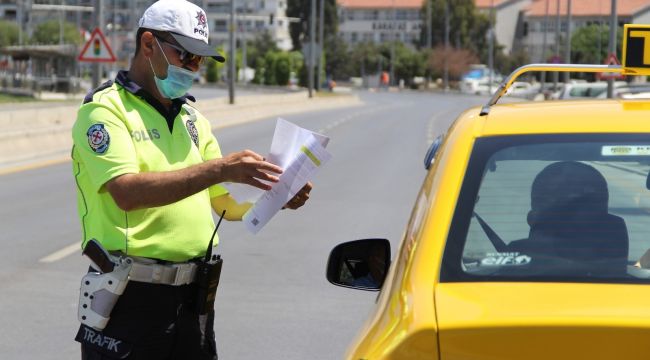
273 301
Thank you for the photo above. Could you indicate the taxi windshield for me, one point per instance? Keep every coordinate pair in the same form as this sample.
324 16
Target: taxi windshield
553 208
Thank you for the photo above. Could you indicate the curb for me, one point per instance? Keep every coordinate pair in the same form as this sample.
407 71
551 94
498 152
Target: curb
47 139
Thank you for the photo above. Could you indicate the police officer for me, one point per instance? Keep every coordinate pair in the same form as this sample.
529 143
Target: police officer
148 170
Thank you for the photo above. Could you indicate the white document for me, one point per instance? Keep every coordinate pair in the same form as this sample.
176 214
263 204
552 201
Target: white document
287 140
300 153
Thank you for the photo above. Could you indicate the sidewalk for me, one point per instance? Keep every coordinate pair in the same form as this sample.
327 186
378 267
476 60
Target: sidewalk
40 132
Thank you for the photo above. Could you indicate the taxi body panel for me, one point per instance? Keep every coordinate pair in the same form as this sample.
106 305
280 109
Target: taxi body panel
543 321
419 317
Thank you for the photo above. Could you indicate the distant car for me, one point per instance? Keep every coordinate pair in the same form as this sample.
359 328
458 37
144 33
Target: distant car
581 90
528 240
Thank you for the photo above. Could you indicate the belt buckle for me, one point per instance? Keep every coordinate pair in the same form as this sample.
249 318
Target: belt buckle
183 274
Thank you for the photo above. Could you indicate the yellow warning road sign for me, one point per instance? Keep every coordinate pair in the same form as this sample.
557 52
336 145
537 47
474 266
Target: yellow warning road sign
96 49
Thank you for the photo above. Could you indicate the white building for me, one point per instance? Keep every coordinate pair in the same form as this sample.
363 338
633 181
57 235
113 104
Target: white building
379 21
252 18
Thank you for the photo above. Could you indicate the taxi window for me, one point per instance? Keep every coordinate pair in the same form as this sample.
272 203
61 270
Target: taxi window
558 208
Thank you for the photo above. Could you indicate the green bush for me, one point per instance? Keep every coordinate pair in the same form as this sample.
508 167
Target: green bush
282 69
260 68
269 73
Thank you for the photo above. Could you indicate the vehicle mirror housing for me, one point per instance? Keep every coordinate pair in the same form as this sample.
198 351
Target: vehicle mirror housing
360 264
431 153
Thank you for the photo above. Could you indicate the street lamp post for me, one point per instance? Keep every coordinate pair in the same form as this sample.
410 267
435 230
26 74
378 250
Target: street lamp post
567 54
545 28
321 41
445 75
613 26
557 43
231 54
491 47
312 48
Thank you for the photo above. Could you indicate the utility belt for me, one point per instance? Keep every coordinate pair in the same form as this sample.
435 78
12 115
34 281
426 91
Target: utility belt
151 271
100 290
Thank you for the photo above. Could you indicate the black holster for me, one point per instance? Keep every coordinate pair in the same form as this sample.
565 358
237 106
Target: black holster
207 280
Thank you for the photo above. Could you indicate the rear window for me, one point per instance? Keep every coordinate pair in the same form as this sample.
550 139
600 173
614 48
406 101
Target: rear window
553 208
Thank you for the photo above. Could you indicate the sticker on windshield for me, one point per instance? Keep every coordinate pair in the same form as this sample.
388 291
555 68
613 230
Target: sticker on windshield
505 259
626 150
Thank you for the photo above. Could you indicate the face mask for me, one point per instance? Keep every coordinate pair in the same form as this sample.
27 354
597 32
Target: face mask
177 82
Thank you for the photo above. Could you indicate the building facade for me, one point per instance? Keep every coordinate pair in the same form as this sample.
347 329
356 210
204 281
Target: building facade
508 20
541 21
379 21
121 19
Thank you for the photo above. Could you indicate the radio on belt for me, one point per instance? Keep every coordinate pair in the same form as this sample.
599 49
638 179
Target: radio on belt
208 273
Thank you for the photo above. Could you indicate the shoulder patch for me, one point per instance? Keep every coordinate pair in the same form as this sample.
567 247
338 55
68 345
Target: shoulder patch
194 133
89 96
98 138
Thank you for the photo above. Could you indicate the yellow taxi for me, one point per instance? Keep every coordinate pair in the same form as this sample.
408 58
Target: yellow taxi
529 238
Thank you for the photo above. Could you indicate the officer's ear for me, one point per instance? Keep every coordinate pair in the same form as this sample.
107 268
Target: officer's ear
147 43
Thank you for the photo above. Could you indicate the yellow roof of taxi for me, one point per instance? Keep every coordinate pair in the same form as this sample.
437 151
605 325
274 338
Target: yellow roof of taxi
557 117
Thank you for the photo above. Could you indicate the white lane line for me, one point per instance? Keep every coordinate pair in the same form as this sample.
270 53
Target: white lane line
60 254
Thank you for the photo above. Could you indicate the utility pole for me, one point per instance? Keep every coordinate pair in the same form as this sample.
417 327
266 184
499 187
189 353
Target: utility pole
445 75
542 77
321 41
392 45
19 18
99 20
557 43
244 39
429 30
491 47
312 48
231 54
567 54
613 26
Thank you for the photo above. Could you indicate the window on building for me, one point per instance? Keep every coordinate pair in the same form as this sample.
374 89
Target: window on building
220 25
353 37
526 28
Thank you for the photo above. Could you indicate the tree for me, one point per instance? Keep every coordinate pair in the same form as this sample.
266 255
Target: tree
467 26
299 31
262 44
339 64
365 58
8 33
458 61
48 33
590 44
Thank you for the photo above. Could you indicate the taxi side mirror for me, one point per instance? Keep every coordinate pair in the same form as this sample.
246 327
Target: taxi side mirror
431 153
360 264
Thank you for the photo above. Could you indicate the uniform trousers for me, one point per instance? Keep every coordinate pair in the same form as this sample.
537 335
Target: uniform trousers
152 321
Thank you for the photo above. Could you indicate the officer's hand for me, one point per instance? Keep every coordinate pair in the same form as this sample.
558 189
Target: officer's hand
300 198
248 167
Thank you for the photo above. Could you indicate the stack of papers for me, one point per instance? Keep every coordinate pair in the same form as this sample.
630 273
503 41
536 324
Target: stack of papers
300 153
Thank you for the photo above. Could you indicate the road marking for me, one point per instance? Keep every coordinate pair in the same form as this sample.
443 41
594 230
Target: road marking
360 113
60 254
40 164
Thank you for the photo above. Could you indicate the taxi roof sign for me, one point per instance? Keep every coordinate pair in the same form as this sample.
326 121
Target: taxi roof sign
636 49
96 49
